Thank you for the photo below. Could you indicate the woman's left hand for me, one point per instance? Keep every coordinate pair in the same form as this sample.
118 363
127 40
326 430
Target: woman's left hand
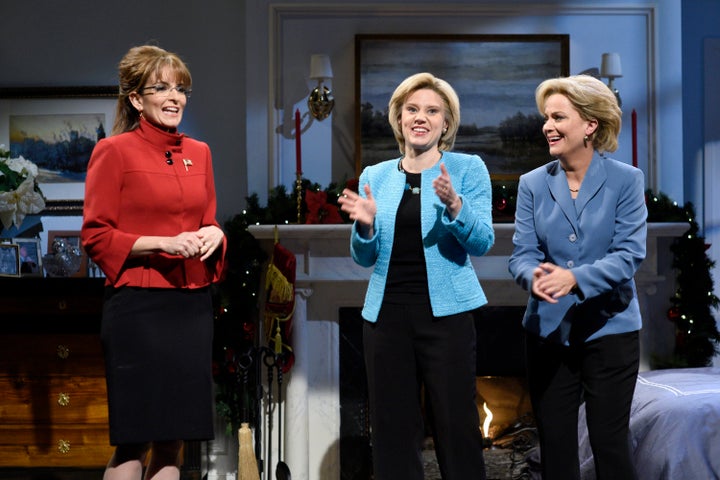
551 282
212 238
446 193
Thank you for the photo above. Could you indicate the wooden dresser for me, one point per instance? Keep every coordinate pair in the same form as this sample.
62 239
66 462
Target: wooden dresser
53 401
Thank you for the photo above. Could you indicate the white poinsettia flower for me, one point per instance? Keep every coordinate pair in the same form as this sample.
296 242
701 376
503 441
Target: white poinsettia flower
22 166
20 199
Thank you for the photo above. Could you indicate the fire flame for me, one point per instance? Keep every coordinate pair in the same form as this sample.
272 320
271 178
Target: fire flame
488 419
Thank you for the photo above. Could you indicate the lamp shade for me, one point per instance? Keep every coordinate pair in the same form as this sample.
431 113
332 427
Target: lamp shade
320 67
610 66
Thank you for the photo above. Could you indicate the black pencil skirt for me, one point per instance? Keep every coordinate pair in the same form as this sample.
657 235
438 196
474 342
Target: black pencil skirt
158 361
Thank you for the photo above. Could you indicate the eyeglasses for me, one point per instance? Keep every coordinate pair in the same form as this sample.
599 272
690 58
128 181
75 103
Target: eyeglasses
163 90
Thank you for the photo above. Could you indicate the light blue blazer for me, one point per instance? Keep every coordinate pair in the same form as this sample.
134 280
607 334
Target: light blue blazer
600 236
452 282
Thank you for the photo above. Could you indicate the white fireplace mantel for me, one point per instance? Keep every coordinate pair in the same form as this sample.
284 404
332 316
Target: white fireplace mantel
327 279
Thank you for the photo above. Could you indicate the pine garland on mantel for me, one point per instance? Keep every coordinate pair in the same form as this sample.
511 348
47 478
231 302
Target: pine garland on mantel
237 378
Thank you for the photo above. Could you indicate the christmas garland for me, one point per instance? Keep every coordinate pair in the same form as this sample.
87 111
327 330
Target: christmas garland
236 347
237 372
696 333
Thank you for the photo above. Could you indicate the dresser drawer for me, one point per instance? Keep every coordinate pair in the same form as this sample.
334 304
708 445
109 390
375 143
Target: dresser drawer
69 354
56 297
53 400
61 305
66 446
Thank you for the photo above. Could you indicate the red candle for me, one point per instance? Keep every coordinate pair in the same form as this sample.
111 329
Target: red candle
634 139
298 147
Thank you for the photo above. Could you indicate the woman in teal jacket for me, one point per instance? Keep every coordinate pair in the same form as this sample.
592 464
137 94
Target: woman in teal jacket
417 219
580 230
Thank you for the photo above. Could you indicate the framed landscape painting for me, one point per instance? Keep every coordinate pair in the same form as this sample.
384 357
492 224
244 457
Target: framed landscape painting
495 77
57 129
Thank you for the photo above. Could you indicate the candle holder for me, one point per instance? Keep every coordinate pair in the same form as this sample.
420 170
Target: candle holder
298 191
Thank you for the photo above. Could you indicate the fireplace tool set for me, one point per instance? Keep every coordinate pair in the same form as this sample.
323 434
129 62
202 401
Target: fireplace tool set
277 357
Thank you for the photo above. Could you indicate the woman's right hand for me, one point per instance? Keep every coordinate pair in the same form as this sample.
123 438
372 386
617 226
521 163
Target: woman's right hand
361 210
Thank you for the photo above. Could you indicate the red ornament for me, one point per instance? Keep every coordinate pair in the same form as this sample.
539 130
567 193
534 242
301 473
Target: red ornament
501 204
673 313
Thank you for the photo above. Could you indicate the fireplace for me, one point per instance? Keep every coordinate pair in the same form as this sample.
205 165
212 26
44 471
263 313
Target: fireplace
328 281
500 383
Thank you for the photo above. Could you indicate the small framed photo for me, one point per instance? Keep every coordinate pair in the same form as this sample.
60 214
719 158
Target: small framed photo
69 239
9 260
30 256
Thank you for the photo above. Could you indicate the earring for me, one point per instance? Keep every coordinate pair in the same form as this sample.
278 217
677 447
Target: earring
585 140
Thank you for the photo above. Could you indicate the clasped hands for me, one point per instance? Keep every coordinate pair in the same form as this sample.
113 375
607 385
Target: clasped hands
551 282
199 244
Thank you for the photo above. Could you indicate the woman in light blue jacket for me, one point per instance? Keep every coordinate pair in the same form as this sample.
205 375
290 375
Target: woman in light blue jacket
580 229
417 219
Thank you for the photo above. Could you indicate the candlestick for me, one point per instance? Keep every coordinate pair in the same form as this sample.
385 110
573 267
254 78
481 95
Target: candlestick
298 146
634 139
298 192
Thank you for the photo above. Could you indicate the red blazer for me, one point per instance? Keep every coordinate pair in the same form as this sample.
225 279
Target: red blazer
149 182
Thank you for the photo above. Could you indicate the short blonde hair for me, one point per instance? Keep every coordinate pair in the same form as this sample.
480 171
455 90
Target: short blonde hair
421 81
593 100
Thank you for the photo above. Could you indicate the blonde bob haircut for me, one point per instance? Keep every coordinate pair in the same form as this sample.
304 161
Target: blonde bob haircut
421 81
593 100
140 65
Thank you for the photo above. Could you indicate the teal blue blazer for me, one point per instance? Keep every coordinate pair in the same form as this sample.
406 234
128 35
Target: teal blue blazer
600 236
452 282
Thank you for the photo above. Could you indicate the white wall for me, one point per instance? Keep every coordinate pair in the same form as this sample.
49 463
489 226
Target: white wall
79 42
244 54
651 82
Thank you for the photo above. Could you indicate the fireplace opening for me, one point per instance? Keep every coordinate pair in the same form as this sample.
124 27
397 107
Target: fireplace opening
501 389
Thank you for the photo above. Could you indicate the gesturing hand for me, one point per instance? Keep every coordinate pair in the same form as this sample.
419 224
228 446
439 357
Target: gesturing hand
446 192
361 210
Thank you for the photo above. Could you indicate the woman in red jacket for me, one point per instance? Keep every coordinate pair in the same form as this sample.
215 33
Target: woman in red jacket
149 223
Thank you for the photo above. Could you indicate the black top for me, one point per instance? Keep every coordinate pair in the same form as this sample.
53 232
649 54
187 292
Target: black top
407 275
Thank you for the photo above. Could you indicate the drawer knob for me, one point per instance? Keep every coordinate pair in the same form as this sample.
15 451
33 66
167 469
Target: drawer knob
63 351
63 399
62 305
63 446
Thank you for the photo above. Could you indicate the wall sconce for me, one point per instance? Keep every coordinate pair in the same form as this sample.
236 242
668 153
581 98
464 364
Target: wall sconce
320 101
611 69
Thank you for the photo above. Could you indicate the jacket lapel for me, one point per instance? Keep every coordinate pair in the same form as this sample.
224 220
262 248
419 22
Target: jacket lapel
557 183
595 178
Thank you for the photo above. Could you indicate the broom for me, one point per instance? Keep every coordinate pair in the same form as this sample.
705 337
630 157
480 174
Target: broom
247 464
